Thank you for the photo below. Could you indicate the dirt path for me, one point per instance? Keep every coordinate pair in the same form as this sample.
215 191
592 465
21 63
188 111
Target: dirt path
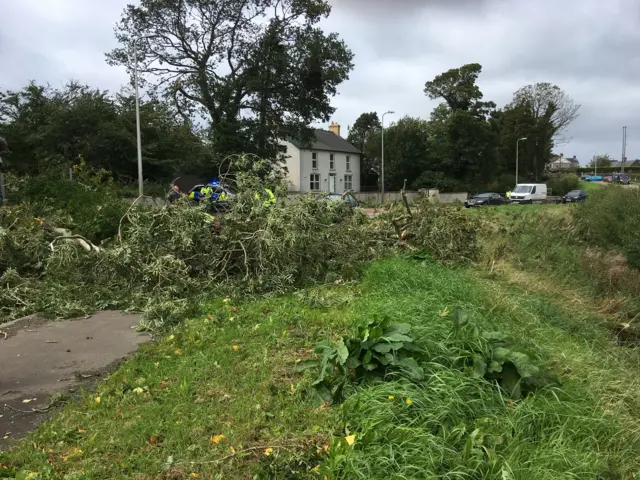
39 360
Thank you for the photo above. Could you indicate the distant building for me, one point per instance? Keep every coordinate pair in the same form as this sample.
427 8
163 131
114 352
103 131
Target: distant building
329 164
560 163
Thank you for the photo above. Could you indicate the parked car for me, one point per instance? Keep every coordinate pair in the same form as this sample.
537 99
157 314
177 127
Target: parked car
346 198
484 199
575 196
529 193
621 178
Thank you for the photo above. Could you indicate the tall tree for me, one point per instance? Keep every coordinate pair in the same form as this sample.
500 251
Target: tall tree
366 125
256 70
463 140
406 151
600 161
552 111
457 87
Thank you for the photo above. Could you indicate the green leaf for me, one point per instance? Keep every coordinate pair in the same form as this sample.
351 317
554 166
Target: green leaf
402 328
367 357
525 366
306 365
375 333
398 337
479 367
495 367
370 367
459 317
343 352
410 366
323 394
383 359
382 347
501 354
352 362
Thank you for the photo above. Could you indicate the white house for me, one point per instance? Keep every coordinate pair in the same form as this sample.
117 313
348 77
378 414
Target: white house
330 164
559 163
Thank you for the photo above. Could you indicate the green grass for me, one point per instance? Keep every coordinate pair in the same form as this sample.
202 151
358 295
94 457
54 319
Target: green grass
591 187
194 385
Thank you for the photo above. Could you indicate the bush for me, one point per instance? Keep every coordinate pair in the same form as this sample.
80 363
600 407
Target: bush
608 220
434 180
563 184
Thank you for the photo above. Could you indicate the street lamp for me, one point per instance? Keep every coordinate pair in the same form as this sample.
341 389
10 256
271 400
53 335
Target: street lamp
138 135
382 180
517 155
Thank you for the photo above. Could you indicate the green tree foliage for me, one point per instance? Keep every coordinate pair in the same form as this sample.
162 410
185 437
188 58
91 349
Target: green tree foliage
406 149
367 125
541 112
255 70
46 127
600 161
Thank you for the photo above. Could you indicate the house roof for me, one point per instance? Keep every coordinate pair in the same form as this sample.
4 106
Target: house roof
327 141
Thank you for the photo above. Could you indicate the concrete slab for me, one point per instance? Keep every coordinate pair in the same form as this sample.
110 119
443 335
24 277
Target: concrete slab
41 359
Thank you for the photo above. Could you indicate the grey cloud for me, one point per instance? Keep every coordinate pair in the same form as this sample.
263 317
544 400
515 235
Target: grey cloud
585 46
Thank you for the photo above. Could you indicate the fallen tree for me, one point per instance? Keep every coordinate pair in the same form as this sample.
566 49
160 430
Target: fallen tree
163 260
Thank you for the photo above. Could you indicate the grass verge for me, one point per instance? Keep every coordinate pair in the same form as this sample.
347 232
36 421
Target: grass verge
218 397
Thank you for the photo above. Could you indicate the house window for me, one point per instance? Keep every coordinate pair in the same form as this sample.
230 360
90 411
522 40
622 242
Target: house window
332 163
348 163
314 182
348 182
314 160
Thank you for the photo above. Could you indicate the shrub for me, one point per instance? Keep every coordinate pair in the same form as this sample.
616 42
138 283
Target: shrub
563 184
437 180
608 220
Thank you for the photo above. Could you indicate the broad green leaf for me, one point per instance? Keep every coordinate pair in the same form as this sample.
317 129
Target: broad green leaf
402 328
501 354
370 367
383 359
382 347
375 333
494 367
323 394
459 317
525 366
306 365
479 367
410 366
398 337
352 362
367 357
343 352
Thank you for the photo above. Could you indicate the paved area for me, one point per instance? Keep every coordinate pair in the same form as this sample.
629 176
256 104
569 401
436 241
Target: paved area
39 360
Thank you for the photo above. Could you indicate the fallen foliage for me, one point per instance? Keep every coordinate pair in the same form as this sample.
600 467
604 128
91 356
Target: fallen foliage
162 260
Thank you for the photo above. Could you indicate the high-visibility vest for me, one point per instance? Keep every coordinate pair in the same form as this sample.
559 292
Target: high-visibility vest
508 194
271 198
206 191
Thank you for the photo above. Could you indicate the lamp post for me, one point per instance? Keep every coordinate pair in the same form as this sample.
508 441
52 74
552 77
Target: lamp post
382 179
517 155
138 135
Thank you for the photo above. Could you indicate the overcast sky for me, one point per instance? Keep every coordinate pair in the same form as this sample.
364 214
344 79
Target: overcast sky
587 47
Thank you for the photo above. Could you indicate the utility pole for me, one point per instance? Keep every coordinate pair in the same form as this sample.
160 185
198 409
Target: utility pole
518 156
390 112
624 149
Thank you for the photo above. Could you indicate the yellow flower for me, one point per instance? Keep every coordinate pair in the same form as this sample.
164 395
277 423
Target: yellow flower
232 450
216 439
351 439
97 399
235 348
177 351
268 451
138 390
171 337
195 475
408 401
391 397
31 476
316 468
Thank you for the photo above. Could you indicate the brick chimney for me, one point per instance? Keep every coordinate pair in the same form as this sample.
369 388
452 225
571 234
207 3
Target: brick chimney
335 128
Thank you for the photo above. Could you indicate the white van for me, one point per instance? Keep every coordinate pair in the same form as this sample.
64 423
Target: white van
529 193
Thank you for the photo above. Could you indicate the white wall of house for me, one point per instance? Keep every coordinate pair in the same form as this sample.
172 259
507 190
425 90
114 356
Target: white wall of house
325 178
307 165
293 166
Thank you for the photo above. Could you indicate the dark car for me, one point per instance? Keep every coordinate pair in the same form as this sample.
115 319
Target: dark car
484 199
621 178
575 196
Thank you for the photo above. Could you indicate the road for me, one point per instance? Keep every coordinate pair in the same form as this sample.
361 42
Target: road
39 360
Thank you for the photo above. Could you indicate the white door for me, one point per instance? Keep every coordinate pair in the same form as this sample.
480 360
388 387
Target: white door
332 184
